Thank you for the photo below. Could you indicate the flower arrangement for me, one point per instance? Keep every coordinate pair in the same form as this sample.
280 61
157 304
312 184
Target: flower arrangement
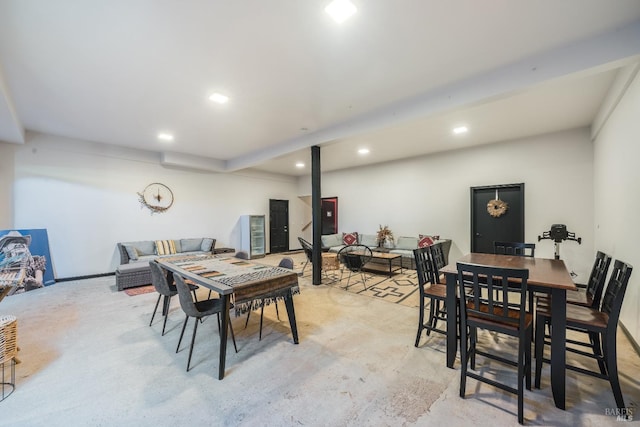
384 234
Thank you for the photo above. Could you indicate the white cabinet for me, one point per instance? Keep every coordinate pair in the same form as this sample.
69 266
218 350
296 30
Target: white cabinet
252 231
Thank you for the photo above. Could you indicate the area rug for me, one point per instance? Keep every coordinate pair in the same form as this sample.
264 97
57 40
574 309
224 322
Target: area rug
400 288
139 290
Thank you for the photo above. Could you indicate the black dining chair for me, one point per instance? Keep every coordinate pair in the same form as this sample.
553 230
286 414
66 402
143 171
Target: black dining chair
354 258
287 263
480 309
431 291
198 310
601 326
165 288
514 248
592 295
308 251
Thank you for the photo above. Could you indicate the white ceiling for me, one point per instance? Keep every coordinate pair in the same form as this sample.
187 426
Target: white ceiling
395 78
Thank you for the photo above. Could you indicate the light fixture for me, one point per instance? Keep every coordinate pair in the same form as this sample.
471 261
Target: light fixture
299 165
460 129
219 98
340 10
165 137
363 151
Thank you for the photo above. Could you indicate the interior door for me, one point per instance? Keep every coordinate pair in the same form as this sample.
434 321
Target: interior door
487 228
329 215
278 226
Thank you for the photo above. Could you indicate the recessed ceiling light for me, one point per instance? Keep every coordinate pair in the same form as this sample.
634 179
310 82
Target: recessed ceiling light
363 151
460 129
299 165
165 137
340 10
219 98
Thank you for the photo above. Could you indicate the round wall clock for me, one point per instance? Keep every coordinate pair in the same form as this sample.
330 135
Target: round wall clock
156 197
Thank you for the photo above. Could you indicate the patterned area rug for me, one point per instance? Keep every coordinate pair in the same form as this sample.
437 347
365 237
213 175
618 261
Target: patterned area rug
139 290
400 288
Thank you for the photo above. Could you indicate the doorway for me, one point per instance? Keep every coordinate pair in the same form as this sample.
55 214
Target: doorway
490 221
278 226
329 215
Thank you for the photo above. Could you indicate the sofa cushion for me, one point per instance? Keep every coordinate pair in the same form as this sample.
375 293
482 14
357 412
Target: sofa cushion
206 244
370 240
145 247
425 241
408 243
350 238
190 245
165 247
132 252
330 240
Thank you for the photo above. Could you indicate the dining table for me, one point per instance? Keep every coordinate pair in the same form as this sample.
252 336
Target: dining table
242 284
548 276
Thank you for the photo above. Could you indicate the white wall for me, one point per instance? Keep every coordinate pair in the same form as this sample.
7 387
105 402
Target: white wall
431 194
84 194
6 185
617 195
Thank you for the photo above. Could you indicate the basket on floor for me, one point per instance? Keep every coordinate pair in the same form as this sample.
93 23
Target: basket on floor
8 352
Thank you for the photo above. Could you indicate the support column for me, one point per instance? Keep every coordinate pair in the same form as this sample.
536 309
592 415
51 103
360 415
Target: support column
316 215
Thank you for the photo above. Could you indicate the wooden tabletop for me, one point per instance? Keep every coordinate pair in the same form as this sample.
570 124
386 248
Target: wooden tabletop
550 273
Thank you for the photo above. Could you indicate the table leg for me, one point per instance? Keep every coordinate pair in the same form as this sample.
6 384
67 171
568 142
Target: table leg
558 345
226 299
288 302
452 319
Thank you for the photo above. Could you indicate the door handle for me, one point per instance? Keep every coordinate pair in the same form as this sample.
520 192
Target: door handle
478 235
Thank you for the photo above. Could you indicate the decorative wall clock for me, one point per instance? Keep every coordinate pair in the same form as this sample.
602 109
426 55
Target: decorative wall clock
156 197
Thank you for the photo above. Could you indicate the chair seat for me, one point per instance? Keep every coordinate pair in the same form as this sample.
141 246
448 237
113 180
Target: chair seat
513 314
209 306
436 290
578 316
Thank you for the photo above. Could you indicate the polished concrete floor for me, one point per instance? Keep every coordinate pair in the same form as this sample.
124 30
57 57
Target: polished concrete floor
89 358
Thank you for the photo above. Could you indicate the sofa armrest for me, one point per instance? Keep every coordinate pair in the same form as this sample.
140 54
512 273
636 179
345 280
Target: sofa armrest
124 256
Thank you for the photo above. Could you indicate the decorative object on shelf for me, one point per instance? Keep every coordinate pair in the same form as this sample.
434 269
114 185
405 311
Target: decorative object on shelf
497 207
156 197
385 236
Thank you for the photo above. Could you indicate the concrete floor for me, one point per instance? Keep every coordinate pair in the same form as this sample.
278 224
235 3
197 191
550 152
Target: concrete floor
90 358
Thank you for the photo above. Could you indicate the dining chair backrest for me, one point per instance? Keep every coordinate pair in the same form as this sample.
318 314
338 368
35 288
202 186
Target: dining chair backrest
485 290
307 247
514 248
437 261
597 279
159 280
242 255
286 262
186 297
423 266
616 288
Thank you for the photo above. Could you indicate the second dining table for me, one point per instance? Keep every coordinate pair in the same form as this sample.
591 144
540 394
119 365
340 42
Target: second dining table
545 275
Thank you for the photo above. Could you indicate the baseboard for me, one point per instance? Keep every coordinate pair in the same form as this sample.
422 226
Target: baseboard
89 276
633 342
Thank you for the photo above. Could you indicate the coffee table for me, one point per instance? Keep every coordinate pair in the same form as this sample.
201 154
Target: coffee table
382 262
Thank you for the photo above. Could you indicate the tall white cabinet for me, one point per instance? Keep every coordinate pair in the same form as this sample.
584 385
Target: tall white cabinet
252 235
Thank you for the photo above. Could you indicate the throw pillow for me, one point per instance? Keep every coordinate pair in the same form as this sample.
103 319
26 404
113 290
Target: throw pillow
165 247
207 245
132 252
425 241
350 238
331 240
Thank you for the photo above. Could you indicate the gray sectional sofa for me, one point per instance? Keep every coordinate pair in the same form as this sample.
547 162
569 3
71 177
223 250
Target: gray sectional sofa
134 267
402 245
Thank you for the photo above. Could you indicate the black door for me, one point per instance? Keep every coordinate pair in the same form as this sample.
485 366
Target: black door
329 215
487 227
278 226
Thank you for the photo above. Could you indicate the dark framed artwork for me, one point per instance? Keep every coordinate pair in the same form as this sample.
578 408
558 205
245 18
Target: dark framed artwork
25 260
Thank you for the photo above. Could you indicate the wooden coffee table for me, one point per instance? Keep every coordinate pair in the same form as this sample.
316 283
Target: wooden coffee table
384 263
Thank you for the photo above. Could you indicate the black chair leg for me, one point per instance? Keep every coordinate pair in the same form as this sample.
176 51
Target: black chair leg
233 337
247 321
155 309
539 347
420 321
612 368
193 340
261 316
165 312
432 310
182 333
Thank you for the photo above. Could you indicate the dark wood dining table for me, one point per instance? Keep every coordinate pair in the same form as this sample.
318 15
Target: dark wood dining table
247 283
545 275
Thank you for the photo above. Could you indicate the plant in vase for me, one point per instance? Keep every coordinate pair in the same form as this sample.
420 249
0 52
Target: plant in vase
385 236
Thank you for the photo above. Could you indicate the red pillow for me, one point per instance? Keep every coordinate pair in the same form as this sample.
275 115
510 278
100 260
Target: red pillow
426 241
350 238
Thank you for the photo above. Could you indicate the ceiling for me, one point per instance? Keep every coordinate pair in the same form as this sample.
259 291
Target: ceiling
394 78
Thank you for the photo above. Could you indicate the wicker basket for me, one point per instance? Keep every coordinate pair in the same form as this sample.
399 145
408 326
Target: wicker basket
8 352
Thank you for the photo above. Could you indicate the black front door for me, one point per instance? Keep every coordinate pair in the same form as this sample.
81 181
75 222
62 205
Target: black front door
278 226
488 227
